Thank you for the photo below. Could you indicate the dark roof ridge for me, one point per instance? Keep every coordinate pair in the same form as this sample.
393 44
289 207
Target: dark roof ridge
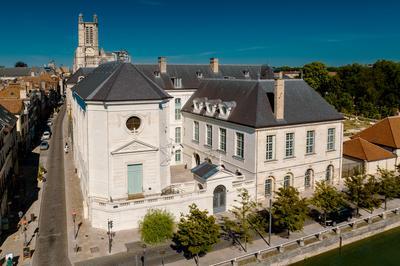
151 82
98 88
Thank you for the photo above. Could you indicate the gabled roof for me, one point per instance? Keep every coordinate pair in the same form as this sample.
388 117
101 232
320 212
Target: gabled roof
302 104
81 72
118 81
386 132
361 149
190 80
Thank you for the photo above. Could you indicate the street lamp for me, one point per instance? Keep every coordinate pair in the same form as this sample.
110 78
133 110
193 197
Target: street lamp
110 234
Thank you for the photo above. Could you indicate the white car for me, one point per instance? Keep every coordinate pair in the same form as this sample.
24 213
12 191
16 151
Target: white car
46 135
49 122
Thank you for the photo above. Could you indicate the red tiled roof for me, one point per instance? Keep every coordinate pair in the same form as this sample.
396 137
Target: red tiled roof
363 150
386 132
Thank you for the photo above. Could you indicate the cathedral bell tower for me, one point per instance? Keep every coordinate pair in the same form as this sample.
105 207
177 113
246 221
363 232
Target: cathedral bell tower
87 53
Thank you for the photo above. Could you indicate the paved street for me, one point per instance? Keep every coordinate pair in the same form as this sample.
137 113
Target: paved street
51 246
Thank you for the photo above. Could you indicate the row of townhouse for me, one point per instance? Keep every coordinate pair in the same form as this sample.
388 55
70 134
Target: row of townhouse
165 136
8 161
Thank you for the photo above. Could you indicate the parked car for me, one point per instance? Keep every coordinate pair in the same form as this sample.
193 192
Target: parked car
344 214
44 145
46 135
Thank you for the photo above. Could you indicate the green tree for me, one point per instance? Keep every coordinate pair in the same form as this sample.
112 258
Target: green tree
327 198
389 185
157 227
289 210
246 218
362 190
197 233
316 75
20 64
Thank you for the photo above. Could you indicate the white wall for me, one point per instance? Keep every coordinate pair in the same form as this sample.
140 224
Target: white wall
255 165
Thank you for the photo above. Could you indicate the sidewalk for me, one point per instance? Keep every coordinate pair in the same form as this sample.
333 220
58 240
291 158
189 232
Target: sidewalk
15 242
92 242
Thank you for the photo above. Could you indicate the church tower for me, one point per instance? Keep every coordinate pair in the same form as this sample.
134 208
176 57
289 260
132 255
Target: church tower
87 53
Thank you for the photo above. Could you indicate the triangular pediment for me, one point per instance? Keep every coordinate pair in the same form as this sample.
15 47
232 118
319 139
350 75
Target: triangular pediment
134 146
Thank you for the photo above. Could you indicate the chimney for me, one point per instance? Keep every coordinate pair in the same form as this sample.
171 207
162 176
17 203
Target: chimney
162 64
95 19
279 93
214 64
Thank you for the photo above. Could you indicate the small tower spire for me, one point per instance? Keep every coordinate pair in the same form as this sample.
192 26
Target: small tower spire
95 19
80 19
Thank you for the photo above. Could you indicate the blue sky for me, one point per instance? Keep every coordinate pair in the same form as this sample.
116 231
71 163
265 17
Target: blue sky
246 31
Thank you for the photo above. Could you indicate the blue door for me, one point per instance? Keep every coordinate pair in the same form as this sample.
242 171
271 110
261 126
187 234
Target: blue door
135 179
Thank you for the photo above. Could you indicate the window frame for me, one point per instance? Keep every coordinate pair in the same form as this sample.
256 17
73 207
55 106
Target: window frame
289 147
270 147
178 131
196 131
269 192
310 142
178 107
209 135
178 153
239 146
222 141
331 139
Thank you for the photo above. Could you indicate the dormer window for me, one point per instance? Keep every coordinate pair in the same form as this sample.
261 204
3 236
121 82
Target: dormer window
157 74
199 74
176 82
199 104
225 109
80 78
246 73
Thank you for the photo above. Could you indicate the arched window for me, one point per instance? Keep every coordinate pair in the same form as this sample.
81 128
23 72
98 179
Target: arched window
329 173
268 187
307 178
286 181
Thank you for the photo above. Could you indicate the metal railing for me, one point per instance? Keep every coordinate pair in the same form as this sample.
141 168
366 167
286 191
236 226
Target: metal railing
300 241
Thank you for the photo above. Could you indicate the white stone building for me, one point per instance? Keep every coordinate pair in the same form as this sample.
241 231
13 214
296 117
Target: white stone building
276 132
122 152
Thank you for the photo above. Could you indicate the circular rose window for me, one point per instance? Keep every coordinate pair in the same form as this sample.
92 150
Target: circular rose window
133 123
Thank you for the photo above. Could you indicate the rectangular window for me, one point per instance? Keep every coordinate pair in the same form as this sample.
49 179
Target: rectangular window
177 135
178 106
239 145
196 131
331 139
270 148
209 135
222 139
289 147
310 140
268 187
177 156
177 82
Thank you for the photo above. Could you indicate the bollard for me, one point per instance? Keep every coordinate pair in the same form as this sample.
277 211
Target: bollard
397 211
320 237
384 215
369 220
354 225
337 230
280 249
301 242
234 263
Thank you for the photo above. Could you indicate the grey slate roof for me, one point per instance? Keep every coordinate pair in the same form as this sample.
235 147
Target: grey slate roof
15 72
81 72
118 81
188 73
302 104
6 118
205 170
